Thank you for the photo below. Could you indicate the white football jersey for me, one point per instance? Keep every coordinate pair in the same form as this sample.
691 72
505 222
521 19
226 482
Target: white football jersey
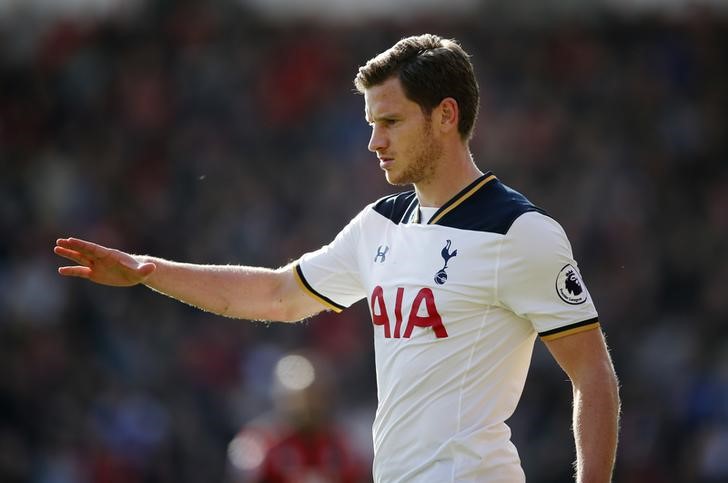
456 305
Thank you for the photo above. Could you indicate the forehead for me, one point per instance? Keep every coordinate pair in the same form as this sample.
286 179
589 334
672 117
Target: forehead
387 98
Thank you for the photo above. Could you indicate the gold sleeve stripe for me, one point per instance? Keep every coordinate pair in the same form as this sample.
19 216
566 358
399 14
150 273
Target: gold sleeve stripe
570 330
573 331
303 283
464 197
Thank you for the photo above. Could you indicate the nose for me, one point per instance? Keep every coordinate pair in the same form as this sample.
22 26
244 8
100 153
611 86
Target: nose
378 140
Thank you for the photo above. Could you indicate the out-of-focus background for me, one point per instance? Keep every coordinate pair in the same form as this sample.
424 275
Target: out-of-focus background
228 132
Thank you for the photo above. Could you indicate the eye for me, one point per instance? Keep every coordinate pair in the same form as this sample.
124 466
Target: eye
384 122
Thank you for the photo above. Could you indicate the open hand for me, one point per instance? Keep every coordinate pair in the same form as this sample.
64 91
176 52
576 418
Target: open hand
100 264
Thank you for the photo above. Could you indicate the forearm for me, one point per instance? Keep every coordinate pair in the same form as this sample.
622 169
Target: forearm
596 423
232 291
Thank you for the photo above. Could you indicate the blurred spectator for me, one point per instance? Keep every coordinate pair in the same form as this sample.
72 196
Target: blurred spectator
299 441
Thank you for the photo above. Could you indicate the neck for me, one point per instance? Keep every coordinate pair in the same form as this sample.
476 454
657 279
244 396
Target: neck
453 173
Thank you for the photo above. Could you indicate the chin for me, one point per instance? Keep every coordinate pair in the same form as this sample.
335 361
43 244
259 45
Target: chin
396 181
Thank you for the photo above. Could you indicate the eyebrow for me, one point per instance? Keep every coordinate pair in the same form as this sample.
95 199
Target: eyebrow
383 117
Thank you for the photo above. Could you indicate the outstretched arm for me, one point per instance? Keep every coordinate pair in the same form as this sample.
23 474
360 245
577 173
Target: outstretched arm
233 291
585 359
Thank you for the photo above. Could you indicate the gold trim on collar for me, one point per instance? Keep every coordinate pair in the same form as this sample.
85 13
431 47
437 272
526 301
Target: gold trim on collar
462 198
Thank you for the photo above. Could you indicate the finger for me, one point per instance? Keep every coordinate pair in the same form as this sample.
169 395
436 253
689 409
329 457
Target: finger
147 268
141 269
83 246
71 255
78 244
128 263
82 272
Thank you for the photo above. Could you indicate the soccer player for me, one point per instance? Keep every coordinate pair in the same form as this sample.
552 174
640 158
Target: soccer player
461 275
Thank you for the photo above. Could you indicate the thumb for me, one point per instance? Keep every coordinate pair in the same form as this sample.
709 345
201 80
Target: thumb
142 268
145 269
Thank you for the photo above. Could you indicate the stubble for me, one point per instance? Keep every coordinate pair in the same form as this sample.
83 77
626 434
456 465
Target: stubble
424 160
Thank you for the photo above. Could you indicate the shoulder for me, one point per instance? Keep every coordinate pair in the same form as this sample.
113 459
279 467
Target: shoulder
492 207
531 223
535 229
535 240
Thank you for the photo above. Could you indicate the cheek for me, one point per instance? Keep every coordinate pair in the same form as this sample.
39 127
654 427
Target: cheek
410 139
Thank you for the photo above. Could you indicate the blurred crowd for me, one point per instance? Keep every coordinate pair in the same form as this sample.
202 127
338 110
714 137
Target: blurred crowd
207 134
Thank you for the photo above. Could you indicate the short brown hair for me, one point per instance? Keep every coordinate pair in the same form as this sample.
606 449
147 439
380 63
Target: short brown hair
430 69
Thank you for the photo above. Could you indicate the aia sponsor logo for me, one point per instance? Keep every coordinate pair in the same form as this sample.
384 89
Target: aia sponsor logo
422 313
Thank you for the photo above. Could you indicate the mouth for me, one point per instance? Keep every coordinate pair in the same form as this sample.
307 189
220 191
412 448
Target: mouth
385 162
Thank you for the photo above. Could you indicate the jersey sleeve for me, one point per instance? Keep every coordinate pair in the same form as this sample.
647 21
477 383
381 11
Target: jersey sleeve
331 274
539 280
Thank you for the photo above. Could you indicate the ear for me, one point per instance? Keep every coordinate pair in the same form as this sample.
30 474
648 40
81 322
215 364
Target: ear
449 114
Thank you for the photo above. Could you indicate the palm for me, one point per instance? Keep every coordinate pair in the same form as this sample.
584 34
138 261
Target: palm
100 264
